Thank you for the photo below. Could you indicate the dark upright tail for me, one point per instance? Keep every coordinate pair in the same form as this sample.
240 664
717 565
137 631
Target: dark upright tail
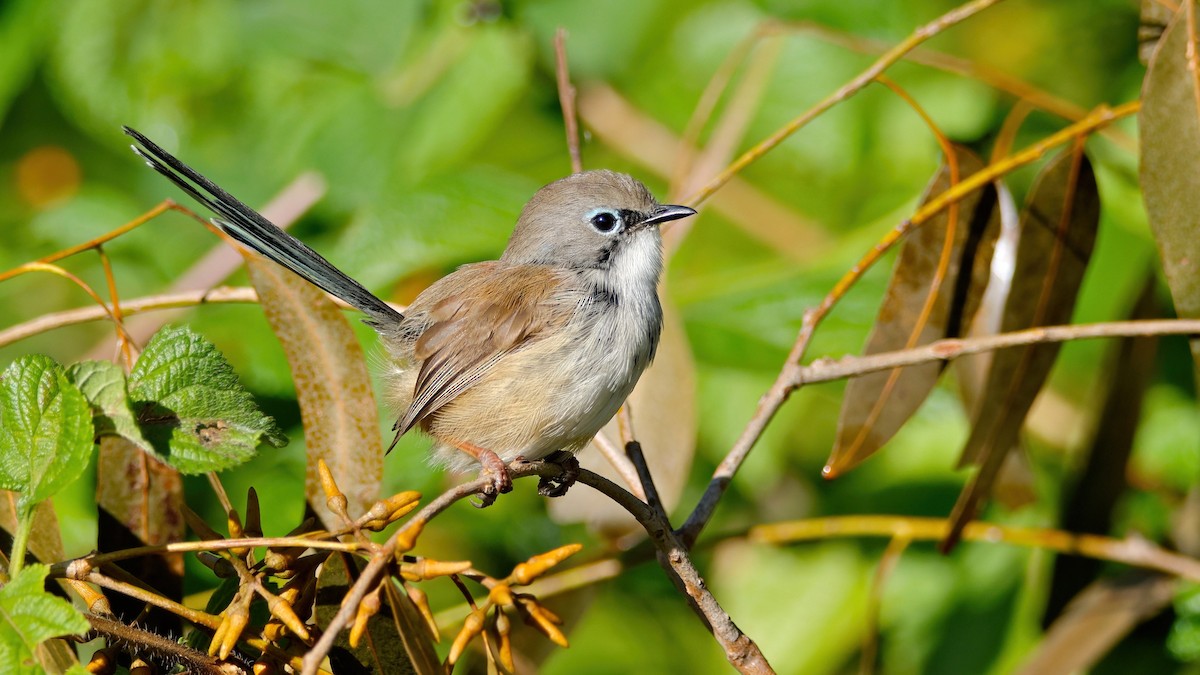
251 229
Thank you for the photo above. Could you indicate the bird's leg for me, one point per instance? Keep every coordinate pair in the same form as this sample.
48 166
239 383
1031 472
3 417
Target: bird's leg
558 486
493 467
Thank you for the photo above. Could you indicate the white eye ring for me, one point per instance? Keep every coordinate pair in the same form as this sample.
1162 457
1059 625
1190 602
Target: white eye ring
605 221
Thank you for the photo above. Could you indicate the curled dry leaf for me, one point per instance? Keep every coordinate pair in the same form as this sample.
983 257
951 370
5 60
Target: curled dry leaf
1169 125
1058 229
341 420
936 287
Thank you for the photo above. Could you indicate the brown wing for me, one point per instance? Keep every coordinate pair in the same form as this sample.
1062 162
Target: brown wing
502 308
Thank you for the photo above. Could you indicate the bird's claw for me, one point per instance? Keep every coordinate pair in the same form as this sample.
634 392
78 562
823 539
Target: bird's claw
558 485
501 483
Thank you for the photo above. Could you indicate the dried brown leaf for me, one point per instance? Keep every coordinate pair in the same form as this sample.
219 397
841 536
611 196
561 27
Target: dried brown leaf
1169 125
341 420
1091 503
140 503
936 287
1058 229
1097 620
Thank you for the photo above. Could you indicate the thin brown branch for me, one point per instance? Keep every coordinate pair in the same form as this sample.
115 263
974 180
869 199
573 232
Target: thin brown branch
741 651
1025 92
847 90
826 370
775 397
566 98
149 303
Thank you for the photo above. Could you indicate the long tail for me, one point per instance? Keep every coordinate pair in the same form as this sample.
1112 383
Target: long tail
251 229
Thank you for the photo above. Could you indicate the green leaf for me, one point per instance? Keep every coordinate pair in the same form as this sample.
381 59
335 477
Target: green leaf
191 407
45 429
104 385
30 615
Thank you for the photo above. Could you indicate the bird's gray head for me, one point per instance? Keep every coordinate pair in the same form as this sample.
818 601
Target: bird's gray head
599 220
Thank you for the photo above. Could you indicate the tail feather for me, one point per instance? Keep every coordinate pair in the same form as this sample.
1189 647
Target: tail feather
254 231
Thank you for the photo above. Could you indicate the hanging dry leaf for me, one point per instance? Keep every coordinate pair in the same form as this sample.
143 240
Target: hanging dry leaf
341 420
936 287
1097 620
140 503
1169 124
1091 503
1058 230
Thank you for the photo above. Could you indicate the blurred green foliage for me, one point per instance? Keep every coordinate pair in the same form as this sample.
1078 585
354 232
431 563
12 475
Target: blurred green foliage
433 122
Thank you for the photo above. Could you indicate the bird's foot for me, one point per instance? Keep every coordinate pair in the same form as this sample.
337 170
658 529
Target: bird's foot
558 485
501 483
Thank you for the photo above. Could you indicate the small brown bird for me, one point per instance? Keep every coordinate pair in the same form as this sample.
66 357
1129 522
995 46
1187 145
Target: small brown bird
509 359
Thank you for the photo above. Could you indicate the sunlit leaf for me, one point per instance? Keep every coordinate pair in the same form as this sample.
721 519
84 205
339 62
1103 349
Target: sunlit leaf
30 615
1058 229
1169 124
341 419
45 429
191 406
103 384
954 250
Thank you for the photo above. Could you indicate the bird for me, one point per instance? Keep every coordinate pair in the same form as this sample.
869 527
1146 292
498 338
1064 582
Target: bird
512 359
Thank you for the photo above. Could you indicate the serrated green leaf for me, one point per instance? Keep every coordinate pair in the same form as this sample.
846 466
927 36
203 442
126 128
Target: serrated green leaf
104 385
45 429
30 615
191 407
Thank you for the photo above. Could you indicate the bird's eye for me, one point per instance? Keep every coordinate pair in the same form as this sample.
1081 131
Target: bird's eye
605 221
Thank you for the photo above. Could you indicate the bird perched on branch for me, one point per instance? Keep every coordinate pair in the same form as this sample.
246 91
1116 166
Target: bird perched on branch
516 358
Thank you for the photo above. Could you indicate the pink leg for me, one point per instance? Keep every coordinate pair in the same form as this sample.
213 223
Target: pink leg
494 467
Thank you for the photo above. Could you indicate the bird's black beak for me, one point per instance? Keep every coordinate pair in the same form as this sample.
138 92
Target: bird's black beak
667 212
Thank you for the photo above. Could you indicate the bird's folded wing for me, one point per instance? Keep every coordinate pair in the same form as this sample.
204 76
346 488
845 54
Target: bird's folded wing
494 310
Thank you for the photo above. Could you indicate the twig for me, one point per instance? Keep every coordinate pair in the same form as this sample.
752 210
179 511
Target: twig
920 35
997 79
775 397
1131 551
739 648
566 98
825 370
149 303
